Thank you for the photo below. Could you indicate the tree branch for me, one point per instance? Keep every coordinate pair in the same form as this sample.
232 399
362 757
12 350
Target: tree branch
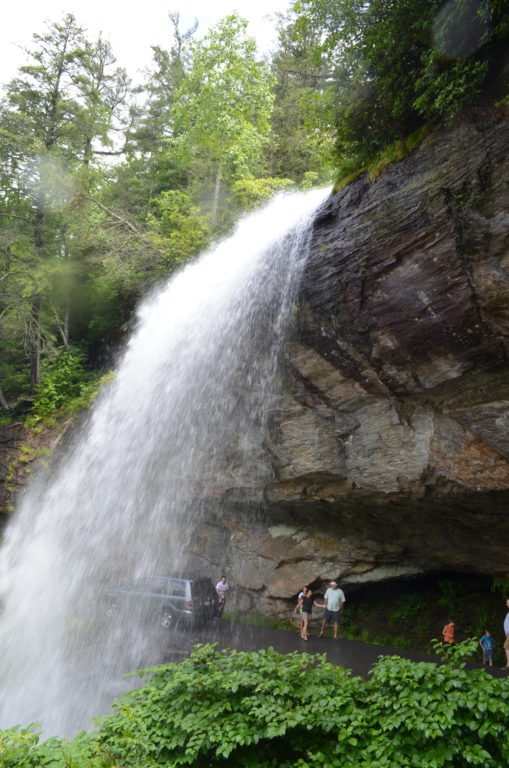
111 213
14 216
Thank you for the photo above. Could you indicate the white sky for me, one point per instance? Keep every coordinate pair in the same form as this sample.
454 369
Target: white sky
130 27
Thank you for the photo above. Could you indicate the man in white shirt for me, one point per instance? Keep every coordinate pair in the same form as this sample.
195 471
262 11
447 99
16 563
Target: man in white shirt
221 589
334 600
506 642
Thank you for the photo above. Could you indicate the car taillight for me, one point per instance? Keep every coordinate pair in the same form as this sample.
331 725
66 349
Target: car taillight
189 605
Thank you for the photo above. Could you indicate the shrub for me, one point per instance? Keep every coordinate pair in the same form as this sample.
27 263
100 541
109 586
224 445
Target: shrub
62 379
229 709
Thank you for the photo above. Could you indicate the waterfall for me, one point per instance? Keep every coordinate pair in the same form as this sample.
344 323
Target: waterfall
182 420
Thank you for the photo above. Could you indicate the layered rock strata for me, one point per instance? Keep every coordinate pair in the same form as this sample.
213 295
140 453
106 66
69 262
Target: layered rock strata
388 454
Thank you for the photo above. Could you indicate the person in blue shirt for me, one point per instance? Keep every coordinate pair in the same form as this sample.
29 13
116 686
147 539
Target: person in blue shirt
487 643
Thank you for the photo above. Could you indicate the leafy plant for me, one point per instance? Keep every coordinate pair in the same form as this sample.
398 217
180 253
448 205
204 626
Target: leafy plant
408 608
501 585
229 709
456 654
251 192
63 378
393 66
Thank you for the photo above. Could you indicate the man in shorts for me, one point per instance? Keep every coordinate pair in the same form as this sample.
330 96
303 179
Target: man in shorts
334 601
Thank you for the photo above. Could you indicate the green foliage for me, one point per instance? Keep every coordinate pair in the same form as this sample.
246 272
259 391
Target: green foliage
80 239
14 375
303 112
397 151
396 65
437 715
315 179
408 608
501 585
22 748
347 172
16 745
58 111
456 654
178 229
265 709
63 378
222 109
250 192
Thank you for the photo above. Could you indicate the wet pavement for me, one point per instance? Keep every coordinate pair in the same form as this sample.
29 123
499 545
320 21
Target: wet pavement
160 646
351 654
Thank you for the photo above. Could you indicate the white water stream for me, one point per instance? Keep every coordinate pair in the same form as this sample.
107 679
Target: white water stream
191 389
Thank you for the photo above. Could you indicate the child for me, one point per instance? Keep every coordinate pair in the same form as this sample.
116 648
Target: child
487 643
448 632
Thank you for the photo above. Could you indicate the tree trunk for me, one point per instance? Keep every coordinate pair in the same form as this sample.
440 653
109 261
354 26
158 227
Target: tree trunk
3 402
35 342
67 300
6 275
215 200
35 313
63 326
66 323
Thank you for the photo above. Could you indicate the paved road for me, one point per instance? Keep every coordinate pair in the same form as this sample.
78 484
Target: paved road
159 646
356 656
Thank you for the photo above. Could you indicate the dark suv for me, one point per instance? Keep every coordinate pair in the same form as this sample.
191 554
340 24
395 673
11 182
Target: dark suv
170 600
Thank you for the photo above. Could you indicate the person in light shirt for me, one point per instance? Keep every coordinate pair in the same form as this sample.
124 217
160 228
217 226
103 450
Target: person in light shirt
334 599
221 589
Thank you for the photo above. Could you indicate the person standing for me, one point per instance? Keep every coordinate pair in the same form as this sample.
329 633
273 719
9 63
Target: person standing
298 604
221 589
487 643
448 632
306 603
506 641
334 600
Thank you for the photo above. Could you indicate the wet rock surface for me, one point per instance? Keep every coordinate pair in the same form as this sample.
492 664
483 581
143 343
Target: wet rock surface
388 453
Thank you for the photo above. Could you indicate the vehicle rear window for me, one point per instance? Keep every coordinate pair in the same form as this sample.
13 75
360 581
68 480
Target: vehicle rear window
203 587
177 588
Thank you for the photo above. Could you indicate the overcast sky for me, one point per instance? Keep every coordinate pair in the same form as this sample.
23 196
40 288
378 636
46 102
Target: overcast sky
130 28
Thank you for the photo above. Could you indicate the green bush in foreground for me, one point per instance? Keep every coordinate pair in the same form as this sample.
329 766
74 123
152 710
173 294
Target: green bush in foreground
229 708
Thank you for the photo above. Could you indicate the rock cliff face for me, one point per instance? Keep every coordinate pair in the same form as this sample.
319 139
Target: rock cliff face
389 453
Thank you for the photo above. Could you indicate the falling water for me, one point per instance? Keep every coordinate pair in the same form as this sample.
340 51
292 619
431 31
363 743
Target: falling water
186 407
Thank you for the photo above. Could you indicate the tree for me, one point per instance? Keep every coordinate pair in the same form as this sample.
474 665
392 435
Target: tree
56 115
302 117
153 123
177 229
399 64
221 117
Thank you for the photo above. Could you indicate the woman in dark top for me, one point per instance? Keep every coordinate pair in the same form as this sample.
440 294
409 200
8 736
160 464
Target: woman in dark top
306 603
